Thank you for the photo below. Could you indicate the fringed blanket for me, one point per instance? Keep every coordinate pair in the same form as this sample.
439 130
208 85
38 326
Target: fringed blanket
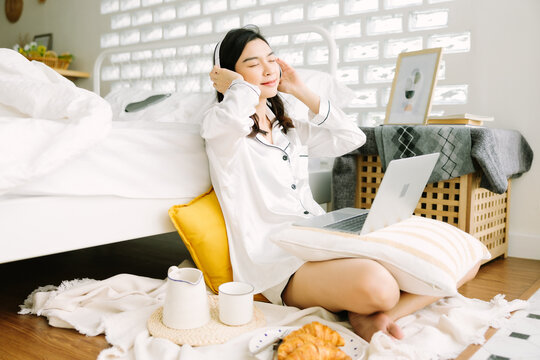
120 306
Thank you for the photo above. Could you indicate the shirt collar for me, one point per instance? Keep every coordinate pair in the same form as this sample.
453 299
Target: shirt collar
280 139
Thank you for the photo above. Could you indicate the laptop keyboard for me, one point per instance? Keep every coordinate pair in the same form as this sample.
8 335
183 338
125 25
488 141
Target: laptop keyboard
353 224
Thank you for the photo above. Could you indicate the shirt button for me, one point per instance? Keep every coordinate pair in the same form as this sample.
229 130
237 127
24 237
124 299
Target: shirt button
293 187
306 212
285 157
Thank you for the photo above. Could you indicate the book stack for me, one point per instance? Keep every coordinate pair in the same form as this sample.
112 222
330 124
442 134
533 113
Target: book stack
459 119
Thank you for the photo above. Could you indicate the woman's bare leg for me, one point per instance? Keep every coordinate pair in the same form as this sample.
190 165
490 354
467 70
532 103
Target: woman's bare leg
359 285
362 287
365 325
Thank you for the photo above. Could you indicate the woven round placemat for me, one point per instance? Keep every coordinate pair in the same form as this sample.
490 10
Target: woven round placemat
214 332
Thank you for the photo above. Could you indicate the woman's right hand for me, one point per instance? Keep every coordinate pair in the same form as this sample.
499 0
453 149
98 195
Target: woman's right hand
222 78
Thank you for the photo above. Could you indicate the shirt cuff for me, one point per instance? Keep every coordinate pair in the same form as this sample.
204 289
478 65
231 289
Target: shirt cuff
324 112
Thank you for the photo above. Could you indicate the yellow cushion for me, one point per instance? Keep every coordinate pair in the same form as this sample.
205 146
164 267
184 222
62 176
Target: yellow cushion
201 226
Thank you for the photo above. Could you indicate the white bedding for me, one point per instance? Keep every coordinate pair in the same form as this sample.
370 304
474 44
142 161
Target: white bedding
56 139
138 159
45 120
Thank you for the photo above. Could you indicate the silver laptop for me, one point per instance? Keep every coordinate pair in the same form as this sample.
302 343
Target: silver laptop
397 197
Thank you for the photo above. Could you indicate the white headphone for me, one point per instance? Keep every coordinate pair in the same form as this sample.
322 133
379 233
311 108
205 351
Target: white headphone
216 54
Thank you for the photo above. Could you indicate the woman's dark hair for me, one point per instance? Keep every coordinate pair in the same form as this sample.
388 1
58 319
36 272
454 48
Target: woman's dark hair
230 49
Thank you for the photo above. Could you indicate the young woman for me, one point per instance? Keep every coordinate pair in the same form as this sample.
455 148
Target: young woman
259 169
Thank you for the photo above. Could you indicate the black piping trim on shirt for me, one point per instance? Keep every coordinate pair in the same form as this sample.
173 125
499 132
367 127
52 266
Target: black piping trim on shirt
328 113
289 160
276 147
234 83
285 148
302 204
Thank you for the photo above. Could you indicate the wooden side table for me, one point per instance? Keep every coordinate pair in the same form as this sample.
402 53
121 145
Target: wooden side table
459 201
72 74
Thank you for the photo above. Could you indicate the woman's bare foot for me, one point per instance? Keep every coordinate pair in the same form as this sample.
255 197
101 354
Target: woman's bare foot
367 325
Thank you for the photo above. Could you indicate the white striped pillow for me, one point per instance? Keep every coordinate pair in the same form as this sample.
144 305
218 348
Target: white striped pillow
426 256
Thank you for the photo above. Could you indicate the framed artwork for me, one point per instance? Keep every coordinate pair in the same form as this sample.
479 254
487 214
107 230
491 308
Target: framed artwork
45 40
414 81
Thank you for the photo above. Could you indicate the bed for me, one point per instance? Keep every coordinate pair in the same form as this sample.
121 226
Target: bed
120 184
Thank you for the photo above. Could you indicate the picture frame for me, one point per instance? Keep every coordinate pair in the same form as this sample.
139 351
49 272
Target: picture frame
412 87
45 40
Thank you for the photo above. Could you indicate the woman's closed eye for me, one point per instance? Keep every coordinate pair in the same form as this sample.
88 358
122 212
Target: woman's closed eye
257 64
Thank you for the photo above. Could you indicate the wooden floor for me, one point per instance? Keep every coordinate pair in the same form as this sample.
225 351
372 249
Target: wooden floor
30 337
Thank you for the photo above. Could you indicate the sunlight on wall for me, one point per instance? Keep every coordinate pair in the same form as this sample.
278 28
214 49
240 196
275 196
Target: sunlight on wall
370 34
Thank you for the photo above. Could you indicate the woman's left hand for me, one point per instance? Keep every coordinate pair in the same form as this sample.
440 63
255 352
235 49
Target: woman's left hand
290 82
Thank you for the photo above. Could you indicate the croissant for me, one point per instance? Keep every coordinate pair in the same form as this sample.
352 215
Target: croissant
292 343
312 341
311 351
320 331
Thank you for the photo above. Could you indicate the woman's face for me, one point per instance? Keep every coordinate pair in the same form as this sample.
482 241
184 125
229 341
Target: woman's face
257 64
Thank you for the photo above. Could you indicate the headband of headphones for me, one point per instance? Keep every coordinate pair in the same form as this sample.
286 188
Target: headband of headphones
216 54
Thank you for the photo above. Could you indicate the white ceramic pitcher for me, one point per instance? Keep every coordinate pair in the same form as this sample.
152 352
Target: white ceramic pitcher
186 301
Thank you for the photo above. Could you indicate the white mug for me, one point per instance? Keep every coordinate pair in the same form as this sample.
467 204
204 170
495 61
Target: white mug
186 301
235 303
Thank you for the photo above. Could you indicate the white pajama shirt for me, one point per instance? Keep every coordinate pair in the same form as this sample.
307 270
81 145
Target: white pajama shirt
263 187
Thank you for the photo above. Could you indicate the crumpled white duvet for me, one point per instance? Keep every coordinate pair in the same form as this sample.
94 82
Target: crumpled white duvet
45 120
120 306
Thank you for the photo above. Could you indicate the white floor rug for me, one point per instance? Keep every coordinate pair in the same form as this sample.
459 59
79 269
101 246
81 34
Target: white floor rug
120 306
518 338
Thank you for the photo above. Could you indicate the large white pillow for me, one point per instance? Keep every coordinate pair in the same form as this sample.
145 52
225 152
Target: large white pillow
177 107
189 108
426 256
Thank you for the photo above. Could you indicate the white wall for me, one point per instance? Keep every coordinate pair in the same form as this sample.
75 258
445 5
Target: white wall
506 83
504 76
76 26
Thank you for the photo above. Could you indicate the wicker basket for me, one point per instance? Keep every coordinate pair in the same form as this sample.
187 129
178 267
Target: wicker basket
63 64
51 59
459 201
47 60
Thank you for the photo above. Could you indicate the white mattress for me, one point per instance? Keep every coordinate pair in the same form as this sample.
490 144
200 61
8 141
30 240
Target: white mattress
138 159
33 226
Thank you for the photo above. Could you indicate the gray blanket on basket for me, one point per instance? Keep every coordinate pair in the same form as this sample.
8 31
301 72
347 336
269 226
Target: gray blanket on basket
498 154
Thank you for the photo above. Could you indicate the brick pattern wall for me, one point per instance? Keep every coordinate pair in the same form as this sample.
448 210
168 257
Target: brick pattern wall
370 34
